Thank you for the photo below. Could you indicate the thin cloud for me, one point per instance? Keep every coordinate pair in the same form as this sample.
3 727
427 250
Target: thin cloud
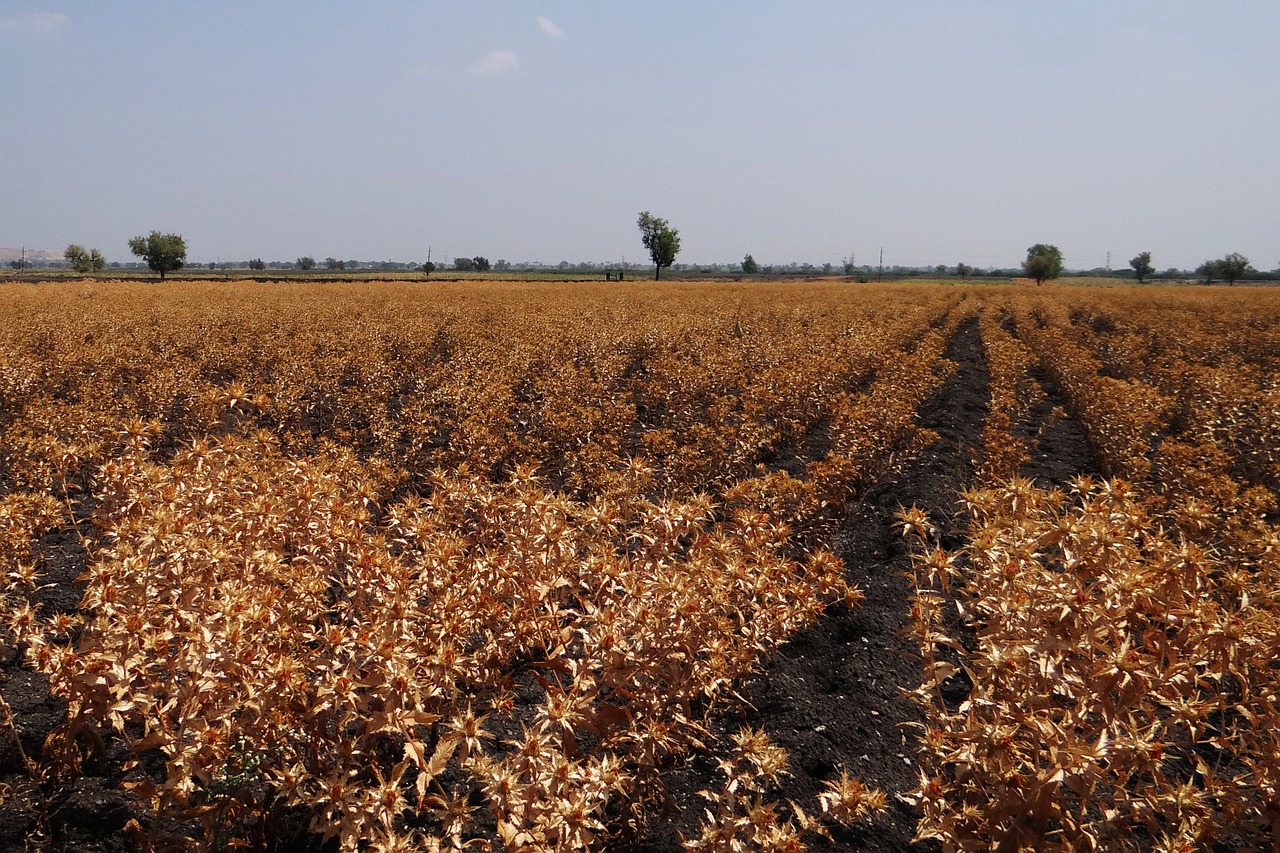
34 23
495 63
548 28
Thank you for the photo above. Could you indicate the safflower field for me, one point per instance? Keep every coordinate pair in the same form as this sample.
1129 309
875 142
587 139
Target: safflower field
707 567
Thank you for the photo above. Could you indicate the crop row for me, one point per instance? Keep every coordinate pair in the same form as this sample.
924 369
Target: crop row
1108 679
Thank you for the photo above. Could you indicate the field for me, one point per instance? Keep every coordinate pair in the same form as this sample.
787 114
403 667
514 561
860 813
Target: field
642 567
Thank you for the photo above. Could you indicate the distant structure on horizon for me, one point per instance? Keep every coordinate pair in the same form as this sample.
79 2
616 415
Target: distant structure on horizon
31 255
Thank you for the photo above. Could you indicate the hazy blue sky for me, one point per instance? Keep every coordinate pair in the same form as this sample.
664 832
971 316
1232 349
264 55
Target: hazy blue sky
799 131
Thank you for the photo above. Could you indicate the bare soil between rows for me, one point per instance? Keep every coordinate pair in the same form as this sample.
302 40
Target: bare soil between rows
833 696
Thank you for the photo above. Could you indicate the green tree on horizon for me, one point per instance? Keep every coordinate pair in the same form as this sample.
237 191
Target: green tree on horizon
164 253
85 260
1044 262
662 241
1142 267
1233 267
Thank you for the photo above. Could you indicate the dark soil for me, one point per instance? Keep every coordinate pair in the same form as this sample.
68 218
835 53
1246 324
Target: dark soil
1060 451
833 696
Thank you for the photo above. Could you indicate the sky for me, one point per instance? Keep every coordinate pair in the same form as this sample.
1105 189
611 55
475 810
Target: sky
806 131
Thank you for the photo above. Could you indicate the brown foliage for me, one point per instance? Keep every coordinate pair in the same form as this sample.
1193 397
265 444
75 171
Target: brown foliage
379 555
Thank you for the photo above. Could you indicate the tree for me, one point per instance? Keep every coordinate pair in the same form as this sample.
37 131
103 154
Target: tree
480 263
77 256
335 264
428 268
1233 267
164 253
257 264
464 264
963 270
306 262
749 265
84 261
1210 270
1141 264
1043 262
849 264
662 241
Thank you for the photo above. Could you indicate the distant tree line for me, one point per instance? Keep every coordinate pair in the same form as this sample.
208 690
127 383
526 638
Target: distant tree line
166 253
1209 271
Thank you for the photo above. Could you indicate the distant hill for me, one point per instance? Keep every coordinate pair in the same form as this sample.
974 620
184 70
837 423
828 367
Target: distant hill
7 255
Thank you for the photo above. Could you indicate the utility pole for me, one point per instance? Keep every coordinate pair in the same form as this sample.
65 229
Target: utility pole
1108 260
880 275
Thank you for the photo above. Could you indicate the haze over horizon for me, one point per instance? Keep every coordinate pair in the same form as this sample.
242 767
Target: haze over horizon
808 131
